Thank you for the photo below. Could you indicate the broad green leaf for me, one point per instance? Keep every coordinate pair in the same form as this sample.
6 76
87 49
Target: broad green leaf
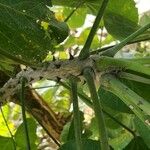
20 135
143 131
87 144
110 100
28 29
136 144
6 143
121 18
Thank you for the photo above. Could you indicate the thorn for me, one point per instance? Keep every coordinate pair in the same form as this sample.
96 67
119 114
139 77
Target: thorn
57 66
58 79
71 57
84 82
40 77
54 59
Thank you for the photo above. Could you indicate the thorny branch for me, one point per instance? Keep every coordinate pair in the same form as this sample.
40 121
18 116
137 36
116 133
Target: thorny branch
52 70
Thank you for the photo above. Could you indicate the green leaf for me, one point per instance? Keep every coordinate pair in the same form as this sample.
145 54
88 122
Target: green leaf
87 144
121 18
142 130
78 17
6 143
145 19
140 88
20 135
112 101
120 140
136 144
22 32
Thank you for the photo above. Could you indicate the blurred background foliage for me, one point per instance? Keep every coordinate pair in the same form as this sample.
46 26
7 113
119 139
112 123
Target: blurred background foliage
112 29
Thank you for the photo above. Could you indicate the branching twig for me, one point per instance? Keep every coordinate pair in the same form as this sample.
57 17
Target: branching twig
86 49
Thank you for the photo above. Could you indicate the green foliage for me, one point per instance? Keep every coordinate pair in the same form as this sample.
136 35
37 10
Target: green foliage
136 143
6 143
20 135
87 144
121 18
31 31
28 29
140 127
110 100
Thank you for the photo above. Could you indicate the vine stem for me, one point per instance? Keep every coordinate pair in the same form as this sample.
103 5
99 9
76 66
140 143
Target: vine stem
88 74
137 104
88 102
134 77
85 51
112 51
108 47
22 99
77 122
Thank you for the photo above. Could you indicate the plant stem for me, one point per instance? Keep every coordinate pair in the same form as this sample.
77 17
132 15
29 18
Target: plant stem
108 47
22 99
88 102
112 51
12 137
77 122
134 77
88 74
85 52
105 63
136 103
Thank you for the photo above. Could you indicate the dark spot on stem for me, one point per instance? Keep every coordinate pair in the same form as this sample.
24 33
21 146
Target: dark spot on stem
31 79
58 79
57 66
71 56
40 77
54 59
139 103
